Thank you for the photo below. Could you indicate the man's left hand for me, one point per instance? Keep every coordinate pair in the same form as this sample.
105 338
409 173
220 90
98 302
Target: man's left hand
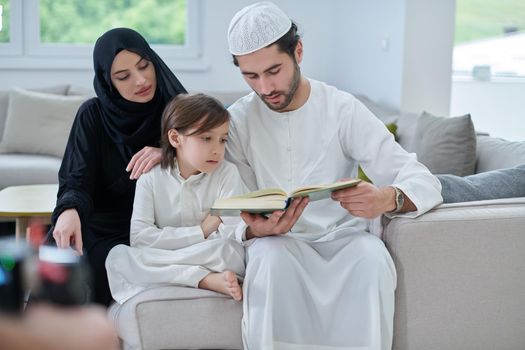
143 161
366 200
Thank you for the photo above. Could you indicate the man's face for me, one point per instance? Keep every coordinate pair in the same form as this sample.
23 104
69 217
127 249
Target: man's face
273 75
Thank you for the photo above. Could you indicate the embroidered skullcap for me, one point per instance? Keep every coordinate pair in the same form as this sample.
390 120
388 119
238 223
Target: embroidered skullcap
257 26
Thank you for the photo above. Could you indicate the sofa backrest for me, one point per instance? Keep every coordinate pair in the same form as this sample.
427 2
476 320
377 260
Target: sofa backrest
495 153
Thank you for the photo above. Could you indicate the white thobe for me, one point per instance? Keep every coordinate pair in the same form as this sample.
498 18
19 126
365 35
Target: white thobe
328 283
167 242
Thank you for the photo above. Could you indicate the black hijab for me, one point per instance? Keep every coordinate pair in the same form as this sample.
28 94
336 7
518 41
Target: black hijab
131 125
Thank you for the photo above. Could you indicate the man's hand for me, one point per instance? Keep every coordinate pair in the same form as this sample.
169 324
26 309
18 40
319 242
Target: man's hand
143 161
366 200
280 222
67 230
210 224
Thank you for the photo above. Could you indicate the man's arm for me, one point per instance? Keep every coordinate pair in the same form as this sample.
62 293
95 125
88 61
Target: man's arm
368 201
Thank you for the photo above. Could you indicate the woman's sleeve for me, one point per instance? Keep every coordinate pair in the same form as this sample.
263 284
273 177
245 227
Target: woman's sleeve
77 174
144 231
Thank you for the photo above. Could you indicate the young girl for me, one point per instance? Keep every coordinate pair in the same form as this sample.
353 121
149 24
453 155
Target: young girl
173 238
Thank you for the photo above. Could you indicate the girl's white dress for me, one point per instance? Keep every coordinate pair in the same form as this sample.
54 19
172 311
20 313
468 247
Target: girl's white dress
167 245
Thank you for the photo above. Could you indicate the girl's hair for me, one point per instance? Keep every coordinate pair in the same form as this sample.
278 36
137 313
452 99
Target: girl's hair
185 112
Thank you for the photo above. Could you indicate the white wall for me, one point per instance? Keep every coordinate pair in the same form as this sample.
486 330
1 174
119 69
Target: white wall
427 56
214 71
497 107
361 64
358 46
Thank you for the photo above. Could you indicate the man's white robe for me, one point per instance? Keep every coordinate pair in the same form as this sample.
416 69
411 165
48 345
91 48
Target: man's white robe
328 284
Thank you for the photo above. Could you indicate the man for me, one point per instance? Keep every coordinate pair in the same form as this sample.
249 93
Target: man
316 278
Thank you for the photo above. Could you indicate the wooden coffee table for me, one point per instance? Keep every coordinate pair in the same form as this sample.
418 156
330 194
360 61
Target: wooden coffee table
25 202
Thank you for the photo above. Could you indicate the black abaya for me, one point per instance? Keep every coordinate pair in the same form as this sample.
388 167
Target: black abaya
106 133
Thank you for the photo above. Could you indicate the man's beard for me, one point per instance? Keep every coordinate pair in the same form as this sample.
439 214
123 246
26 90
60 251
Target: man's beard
289 95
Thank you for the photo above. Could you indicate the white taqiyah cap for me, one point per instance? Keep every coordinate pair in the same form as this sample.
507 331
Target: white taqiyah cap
257 26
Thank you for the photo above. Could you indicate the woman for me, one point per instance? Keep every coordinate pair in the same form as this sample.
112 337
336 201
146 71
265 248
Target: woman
114 133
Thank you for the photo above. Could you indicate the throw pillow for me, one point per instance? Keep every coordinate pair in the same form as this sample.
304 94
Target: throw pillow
38 123
446 145
4 99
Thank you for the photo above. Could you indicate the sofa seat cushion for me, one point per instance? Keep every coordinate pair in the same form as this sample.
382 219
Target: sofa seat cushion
173 317
28 169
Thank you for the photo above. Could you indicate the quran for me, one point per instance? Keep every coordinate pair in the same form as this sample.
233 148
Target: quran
271 199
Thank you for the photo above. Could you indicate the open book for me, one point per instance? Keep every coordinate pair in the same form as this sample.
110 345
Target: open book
272 199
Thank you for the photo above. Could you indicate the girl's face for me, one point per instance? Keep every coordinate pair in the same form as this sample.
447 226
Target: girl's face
201 153
134 77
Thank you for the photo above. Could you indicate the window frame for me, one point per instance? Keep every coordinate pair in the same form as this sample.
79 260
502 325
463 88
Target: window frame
14 46
26 51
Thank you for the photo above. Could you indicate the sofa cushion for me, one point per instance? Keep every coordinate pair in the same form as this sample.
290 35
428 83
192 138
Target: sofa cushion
495 153
4 101
446 145
28 169
38 123
173 317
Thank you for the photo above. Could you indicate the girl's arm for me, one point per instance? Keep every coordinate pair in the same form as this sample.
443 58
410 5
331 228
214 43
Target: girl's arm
144 231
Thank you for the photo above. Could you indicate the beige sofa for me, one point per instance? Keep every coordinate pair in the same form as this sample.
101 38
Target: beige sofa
461 272
461 279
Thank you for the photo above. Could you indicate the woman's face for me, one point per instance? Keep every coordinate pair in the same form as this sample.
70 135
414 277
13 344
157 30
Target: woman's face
134 77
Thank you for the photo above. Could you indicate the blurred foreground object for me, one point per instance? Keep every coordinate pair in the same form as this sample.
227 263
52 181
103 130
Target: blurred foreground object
46 327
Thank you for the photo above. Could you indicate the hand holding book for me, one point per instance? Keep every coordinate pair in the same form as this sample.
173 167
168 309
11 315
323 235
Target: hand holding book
272 199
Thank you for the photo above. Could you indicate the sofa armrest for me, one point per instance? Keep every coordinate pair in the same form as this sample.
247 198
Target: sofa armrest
461 276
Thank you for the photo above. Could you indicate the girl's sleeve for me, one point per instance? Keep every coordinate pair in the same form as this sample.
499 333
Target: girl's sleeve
232 185
144 231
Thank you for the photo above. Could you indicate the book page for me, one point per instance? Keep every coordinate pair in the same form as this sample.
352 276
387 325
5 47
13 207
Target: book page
325 189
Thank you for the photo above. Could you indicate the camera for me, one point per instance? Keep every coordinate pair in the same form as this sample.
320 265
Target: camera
46 273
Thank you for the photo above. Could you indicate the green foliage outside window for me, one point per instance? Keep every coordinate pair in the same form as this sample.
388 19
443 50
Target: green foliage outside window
83 21
4 32
480 19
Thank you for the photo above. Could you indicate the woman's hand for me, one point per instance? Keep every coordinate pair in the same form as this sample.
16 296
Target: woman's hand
143 161
210 224
67 230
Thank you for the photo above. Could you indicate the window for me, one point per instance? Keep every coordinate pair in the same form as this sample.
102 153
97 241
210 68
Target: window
490 38
4 21
10 29
82 22
61 33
